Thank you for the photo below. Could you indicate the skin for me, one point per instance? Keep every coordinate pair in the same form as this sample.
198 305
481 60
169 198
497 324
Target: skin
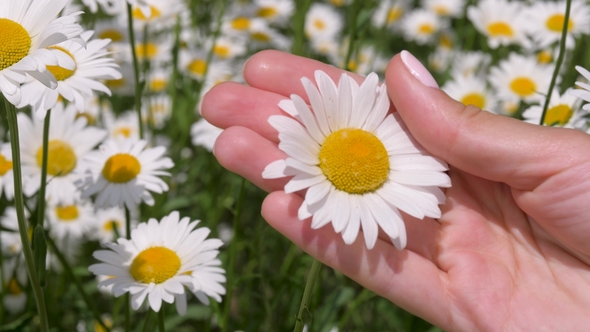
484 265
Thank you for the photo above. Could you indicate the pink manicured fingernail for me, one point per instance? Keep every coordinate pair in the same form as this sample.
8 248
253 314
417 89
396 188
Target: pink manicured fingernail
418 70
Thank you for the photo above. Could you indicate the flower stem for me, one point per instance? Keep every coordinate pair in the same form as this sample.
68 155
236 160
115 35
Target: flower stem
20 212
161 326
127 303
77 283
233 252
558 61
41 196
301 8
304 308
138 85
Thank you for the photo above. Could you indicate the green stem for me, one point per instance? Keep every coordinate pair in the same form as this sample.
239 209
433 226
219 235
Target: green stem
138 86
41 196
161 326
146 321
313 274
301 8
354 11
20 212
558 62
77 283
127 304
233 252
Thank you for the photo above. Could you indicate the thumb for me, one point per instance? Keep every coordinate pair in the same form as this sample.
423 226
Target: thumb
491 146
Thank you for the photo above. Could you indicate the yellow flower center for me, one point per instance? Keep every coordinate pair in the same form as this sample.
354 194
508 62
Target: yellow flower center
221 51
555 23
241 23
475 99
158 84
260 37
558 115
394 14
111 225
112 34
121 168
59 72
115 84
523 86
15 43
13 287
426 29
498 29
5 165
155 264
354 160
441 10
90 120
123 131
266 12
319 24
197 67
544 57
446 41
138 15
146 51
337 3
61 158
67 213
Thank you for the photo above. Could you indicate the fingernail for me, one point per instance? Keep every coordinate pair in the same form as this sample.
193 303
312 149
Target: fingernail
418 70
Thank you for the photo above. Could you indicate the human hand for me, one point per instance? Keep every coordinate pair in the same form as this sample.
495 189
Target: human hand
484 265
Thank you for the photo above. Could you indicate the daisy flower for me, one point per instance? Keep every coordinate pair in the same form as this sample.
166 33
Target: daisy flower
28 28
583 93
500 21
6 176
322 21
275 11
155 51
545 22
161 15
389 13
360 165
10 241
110 29
158 79
263 36
193 63
125 173
562 111
445 8
471 91
521 77
69 140
204 134
421 26
110 7
226 48
73 220
156 110
472 63
110 222
15 279
76 85
123 127
161 261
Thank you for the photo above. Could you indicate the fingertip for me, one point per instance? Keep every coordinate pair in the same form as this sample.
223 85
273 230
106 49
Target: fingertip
213 100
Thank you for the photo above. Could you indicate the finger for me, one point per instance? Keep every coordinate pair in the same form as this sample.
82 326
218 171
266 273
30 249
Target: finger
231 104
281 72
403 277
491 146
246 153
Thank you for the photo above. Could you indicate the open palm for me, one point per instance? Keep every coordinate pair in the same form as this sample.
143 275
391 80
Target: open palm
512 247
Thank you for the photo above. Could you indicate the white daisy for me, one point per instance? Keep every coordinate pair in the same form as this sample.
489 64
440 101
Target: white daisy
78 84
545 22
322 21
360 166
155 51
275 11
6 176
158 79
226 48
161 261
471 91
162 14
204 134
123 127
448 8
521 77
72 220
192 62
125 173
69 140
389 13
583 93
156 110
500 21
110 7
28 28
10 241
110 222
562 111
15 297
263 36
422 26
472 63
